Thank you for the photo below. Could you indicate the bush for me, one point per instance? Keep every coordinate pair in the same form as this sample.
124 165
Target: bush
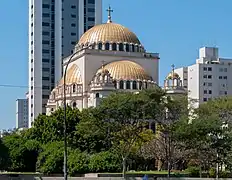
193 171
212 172
105 162
78 163
224 174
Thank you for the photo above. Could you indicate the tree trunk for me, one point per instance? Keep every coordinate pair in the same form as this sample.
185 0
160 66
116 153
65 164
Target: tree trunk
124 168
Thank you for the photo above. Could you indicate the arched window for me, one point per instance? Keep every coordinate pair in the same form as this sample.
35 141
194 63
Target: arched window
97 95
127 84
100 46
136 48
107 46
74 88
140 85
121 47
127 48
134 85
121 85
133 48
74 105
145 85
114 47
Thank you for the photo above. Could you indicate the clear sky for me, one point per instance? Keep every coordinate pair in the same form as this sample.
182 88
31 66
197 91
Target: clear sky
173 28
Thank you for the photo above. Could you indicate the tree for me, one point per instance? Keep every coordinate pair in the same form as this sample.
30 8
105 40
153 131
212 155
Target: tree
3 156
127 116
47 129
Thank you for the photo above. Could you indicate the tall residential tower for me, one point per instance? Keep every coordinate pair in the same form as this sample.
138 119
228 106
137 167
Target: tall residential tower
54 28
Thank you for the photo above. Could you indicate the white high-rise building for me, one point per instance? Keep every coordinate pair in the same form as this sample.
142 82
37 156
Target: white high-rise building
54 28
209 78
21 113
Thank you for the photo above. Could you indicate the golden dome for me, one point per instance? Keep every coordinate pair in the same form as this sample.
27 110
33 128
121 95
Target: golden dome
108 32
73 75
172 75
126 70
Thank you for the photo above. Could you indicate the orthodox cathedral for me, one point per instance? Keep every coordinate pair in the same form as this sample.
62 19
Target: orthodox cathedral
108 57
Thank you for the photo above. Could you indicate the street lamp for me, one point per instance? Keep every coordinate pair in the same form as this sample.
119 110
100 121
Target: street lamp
65 128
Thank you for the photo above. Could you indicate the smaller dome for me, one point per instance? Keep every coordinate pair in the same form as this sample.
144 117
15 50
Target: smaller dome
126 70
172 75
73 76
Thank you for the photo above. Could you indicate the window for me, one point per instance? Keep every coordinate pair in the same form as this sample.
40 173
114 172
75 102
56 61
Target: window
127 48
74 105
121 47
45 33
205 68
205 91
73 34
91 19
205 76
114 47
134 85
91 1
204 84
74 88
127 84
45 96
73 7
45 42
121 85
31 60
221 70
31 24
220 77
46 51
45 78
225 69
97 95
209 76
210 91
73 25
46 87
210 84
45 60
73 42
46 15
73 15
140 85
225 77
91 10
107 46
45 24
204 99
45 69
209 68
225 92
100 46
46 6
31 69
133 48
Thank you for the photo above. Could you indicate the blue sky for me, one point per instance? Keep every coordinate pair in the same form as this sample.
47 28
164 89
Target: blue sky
173 28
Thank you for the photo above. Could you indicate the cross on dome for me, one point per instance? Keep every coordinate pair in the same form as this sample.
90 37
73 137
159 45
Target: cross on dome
109 10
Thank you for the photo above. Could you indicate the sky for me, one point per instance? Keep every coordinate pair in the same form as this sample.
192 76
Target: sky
174 28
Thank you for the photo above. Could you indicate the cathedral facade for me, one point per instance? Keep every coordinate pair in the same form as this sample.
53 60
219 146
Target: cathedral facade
108 57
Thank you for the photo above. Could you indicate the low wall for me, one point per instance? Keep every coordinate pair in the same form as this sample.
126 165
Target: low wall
32 177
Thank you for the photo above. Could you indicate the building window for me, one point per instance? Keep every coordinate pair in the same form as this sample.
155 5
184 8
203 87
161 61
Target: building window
114 47
134 85
121 85
107 46
46 6
205 76
100 46
91 1
45 60
210 84
220 77
127 47
128 85
73 15
204 99
209 68
46 69
74 105
209 76
210 91
205 91
45 78
45 96
46 15
74 88
73 34
45 51
225 92
91 10
121 47
225 69
46 87
73 25
45 24
225 77
73 7
97 95
45 33
91 19
205 68
45 42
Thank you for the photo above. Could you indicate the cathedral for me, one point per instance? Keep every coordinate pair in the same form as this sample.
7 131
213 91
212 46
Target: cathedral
108 57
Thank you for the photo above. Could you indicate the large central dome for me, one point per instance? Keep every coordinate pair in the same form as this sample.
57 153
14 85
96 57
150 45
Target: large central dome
109 32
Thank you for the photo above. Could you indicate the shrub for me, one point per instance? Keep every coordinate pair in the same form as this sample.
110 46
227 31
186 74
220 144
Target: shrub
78 162
212 172
193 171
104 162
